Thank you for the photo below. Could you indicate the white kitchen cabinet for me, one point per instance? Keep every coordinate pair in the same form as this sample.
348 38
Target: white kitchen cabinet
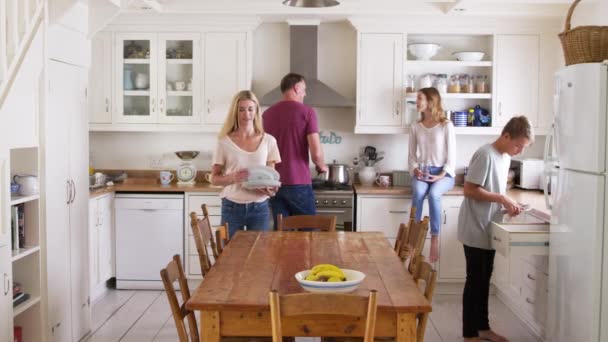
382 213
101 251
100 88
67 196
225 73
380 88
452 264
214 206
6 296
136 82
517 78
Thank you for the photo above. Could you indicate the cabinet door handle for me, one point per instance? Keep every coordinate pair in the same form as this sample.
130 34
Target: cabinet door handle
500 108
162 105
398 211
73 190
152 105
107 105
68 190
397 105
496 239
529 301
208 106
7 284
531 277
445 217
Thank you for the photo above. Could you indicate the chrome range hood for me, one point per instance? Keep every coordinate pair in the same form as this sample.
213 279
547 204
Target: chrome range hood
303 61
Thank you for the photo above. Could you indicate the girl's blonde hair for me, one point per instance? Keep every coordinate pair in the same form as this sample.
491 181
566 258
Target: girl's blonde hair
433 100
232 119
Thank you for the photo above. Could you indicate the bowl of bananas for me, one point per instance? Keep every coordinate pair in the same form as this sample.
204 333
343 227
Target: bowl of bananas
329 278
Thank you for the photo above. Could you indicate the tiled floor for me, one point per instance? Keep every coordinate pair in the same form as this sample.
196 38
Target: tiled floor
142 316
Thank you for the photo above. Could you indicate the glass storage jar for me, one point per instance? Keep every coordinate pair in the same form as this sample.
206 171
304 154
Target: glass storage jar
466 84
441 83
410 84
454 84
481 84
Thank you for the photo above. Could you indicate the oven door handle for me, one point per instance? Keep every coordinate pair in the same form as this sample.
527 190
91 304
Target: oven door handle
329 211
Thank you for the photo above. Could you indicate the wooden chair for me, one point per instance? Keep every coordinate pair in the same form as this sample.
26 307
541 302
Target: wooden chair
322 222
172 272
416 239
221 234
424 272
201 229
302 304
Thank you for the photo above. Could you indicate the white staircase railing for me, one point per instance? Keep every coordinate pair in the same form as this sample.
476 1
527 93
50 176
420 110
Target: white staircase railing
19 21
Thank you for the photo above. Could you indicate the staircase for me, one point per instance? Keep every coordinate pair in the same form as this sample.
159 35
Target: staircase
19 21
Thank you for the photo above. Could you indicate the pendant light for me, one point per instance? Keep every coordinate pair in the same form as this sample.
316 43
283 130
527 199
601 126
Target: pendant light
311 3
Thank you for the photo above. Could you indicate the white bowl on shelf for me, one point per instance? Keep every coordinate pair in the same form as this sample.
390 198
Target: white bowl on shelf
469 56
423 51
353 280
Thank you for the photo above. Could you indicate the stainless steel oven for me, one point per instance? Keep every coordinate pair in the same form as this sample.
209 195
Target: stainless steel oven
338 203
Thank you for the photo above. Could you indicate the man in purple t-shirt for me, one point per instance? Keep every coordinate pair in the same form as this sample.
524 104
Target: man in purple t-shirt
294 126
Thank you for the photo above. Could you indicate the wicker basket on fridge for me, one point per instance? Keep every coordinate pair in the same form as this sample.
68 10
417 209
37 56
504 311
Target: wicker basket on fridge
584 44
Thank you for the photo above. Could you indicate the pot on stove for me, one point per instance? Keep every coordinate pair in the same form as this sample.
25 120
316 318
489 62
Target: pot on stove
337 174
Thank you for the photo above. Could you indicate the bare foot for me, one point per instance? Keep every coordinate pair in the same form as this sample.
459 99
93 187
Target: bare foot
434 254
490 335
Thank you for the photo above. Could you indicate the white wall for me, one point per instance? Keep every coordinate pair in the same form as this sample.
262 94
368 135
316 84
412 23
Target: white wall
337 68
594 12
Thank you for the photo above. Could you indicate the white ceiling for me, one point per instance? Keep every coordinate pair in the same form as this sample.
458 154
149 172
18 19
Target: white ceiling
269 9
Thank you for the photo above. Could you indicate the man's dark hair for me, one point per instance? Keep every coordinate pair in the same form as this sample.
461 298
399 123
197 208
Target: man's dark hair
519 126
290 80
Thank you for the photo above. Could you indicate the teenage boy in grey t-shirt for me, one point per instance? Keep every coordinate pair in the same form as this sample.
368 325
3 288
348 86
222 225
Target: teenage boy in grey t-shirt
485 196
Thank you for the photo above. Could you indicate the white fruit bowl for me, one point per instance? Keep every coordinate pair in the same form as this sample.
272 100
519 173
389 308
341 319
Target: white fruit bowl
353 280
423 51
469 56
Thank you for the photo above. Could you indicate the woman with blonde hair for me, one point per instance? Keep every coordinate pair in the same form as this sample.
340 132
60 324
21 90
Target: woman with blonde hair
242 144
431 159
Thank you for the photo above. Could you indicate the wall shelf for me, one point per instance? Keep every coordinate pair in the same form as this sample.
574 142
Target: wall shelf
25 305
179 61
435 64
136 61
137 93
23 252
179 93
15 199
479 96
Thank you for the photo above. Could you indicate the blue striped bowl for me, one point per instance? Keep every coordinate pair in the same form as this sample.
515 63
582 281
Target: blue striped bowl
353 280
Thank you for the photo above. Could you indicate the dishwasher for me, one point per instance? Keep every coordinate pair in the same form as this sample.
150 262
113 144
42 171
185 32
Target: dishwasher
149 232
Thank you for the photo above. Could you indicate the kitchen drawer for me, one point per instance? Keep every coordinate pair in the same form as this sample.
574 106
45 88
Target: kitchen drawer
541 262
524 239
533 277
383 214
534 303
214 204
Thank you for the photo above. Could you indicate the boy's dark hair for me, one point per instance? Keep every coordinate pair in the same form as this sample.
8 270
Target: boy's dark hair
290 80
518 127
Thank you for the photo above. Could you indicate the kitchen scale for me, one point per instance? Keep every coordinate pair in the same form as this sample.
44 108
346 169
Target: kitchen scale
186 172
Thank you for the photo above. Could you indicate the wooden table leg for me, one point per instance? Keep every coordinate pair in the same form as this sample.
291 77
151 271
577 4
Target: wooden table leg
210 326
406 327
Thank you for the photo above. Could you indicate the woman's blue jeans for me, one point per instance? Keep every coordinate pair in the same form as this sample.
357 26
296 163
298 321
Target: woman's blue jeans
254 216
434 191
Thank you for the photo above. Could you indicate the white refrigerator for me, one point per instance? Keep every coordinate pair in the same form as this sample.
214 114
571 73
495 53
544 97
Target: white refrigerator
575 159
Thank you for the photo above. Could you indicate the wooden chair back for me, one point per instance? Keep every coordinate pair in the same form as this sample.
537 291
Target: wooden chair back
424 272
416 239
172 272
221 238
401 244
201 230
324 223
301 304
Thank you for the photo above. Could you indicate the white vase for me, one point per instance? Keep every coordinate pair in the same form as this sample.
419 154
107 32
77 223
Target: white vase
142 81
367 175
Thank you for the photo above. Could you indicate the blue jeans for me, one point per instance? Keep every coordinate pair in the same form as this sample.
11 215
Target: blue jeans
293 200
254 216
434 191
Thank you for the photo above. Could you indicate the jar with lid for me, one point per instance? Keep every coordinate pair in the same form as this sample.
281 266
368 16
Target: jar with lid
466 83
441 83
454 84
410 84
481 84
427 80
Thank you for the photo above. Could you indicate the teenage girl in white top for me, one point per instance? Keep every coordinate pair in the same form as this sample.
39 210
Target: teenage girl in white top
432 145
242 144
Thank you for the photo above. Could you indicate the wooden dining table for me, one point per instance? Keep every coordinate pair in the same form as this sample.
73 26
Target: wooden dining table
233 297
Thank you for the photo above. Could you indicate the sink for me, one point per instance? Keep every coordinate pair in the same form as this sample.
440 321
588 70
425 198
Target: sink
523 239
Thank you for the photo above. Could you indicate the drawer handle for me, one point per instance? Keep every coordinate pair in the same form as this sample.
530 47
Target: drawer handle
529 301
496 239
398 211
531 277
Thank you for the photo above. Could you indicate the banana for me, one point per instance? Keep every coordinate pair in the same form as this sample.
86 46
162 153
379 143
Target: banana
312 277
334 279
331 274
322 267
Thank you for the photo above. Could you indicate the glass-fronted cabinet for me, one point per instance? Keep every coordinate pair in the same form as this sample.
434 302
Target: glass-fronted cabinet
179 78
136 78
157 78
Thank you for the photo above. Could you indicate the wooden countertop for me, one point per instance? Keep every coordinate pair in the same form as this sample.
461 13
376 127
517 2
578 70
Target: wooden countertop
152 185
397 190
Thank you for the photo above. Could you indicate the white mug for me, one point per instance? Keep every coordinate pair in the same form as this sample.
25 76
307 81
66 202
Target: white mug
180 85
166 177
208 177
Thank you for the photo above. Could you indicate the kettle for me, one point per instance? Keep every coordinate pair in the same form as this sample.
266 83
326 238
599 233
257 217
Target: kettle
28 184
